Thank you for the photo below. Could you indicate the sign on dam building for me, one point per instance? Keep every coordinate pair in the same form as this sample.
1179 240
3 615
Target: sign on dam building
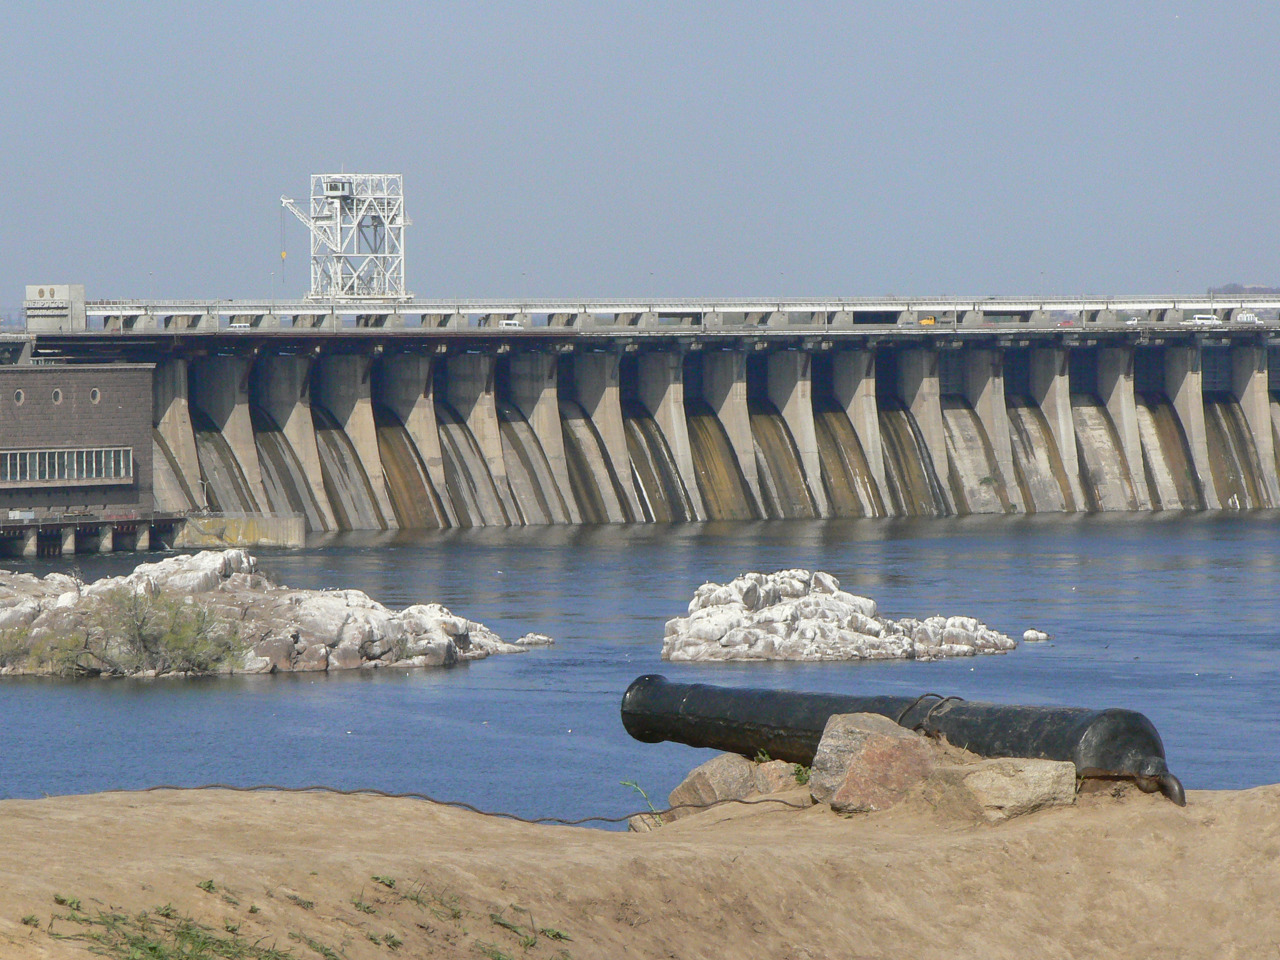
413 413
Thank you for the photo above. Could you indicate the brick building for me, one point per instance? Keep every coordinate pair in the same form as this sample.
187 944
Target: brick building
75 442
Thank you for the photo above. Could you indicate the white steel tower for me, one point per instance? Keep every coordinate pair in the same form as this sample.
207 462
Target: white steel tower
357 226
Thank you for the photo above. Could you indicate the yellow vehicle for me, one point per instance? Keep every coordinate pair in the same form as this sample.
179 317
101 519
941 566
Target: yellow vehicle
928 321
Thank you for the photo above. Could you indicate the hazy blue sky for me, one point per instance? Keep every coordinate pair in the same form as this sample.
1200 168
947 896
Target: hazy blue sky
635 149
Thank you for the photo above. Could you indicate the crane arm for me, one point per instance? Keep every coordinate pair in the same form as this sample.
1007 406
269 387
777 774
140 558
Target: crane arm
318 228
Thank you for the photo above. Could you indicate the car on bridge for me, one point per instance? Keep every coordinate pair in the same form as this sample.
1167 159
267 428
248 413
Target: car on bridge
1203 320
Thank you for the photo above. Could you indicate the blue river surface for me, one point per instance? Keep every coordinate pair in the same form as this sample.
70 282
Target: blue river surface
1175 616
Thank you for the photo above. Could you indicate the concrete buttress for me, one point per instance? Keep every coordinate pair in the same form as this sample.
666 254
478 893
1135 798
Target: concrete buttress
1115 389
534 392
341 384
470 381
661 390
854 385
222 393
172 418
724 387
1183 385
921 392
1051 390
1249 384
984 389
404 385
791 391
596 378
281 388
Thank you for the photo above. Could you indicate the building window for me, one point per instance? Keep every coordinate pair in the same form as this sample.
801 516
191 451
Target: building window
57 396
18 397
104 465
95 395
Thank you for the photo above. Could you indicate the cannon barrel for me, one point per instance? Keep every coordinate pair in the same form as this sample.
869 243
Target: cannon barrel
787 725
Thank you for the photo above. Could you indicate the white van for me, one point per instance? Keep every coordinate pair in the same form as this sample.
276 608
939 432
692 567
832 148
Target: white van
510 325
1204 320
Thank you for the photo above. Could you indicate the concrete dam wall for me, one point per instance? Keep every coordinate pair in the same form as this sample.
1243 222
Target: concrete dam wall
374 441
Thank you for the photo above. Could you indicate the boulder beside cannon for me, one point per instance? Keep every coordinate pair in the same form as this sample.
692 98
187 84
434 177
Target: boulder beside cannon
788 725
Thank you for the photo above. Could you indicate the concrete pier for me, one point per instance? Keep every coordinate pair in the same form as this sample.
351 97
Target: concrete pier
534 392
1183 385
403 383
341 385
222 394
1115 389
1249 384
791 391
171 416
854 385
281 387
724 387
470 380
984 389
661 389
1051 390
596 375
918 384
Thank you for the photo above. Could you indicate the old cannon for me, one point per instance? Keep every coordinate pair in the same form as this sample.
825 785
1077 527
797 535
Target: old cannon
787 725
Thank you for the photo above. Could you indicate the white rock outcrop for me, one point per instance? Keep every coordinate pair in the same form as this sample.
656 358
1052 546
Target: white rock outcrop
283 629
798 615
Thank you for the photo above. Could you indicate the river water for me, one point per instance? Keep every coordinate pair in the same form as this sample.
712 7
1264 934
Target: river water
1174 616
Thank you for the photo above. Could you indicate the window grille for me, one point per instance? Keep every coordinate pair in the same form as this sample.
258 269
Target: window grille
99 465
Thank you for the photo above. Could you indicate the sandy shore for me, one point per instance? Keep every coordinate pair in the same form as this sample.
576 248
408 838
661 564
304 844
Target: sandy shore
1128 876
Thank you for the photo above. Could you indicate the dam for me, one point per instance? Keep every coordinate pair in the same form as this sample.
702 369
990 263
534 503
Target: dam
359 415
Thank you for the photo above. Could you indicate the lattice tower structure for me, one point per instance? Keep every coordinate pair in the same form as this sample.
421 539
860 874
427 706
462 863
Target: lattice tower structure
357 223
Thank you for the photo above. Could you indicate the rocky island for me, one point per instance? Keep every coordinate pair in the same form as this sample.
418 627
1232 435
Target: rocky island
215 612
798 615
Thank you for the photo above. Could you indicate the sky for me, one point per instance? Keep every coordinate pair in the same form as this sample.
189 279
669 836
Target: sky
586 149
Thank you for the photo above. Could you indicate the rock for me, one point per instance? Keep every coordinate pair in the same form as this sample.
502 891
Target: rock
724 777
283 629
345 656
256 664
774 775
644 822
443 653
798 615
314 657
1000 788
20 614
1035 636
866 762
277 651
711 623
535 640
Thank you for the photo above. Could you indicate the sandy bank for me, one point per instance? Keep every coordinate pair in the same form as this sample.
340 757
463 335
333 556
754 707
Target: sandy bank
1132 876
